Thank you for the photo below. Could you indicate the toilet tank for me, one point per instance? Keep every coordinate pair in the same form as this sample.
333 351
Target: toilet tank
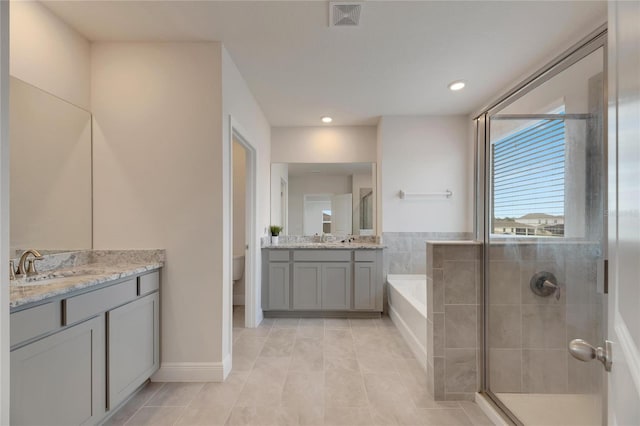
238 267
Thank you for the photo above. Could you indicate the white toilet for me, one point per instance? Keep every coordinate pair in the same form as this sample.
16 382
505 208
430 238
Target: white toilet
238 268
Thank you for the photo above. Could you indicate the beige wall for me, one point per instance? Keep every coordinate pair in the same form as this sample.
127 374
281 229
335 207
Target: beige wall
158 183
424 154
48 54
332 144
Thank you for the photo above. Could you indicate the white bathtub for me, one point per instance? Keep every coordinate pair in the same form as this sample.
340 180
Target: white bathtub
408 310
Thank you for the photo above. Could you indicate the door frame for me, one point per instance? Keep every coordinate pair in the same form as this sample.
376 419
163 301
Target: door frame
593 41
252 305
4 217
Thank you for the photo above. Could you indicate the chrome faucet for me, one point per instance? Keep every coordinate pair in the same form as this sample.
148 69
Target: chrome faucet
31 266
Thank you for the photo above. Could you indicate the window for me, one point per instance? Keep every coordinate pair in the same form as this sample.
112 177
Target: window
529 179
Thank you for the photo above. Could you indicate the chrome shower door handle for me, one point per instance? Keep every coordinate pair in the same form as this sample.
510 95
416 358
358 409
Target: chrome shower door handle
584 351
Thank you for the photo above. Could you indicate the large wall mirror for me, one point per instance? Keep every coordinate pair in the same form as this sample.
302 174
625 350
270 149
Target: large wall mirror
50 197
324 198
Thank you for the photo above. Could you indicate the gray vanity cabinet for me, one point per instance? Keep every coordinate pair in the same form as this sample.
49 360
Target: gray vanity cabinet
336 286
364 286
278 290
60 379
133 352
366 269
331 280
76 357
307 286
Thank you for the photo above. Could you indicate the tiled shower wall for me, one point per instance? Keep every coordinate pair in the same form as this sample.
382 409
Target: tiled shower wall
405 252
528 334
454 271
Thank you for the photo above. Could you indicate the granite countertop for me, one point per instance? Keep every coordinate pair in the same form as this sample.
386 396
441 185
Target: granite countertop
87 269
325 246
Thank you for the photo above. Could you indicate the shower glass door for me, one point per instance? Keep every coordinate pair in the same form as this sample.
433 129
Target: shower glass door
544 251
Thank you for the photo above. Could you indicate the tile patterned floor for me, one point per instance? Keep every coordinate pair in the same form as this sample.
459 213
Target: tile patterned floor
306 372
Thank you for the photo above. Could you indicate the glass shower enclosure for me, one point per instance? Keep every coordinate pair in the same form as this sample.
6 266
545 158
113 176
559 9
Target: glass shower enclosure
543 224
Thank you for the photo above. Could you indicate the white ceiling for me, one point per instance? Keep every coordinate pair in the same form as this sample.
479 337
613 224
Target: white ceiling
398 62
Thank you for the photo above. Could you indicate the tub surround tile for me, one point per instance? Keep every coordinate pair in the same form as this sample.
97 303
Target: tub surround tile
460 326
460 279
460 370
438 291
438 343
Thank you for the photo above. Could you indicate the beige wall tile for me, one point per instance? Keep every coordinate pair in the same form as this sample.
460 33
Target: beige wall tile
544 327
438 334
438 291
460 326
505 370
460 370
460 279
504 282
505 328
544 371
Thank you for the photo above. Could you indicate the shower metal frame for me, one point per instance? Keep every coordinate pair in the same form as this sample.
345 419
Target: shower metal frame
595 40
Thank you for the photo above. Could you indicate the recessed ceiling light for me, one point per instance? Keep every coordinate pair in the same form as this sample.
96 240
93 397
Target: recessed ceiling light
326 119
456 85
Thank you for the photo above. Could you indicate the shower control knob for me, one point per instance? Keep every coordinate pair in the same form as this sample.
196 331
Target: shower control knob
584 351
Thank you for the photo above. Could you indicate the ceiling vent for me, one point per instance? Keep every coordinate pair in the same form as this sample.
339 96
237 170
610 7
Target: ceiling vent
344 14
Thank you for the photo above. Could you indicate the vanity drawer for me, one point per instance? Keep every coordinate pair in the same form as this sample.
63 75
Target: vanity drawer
279 255
86 305
365 255
34 322
314 255
148 283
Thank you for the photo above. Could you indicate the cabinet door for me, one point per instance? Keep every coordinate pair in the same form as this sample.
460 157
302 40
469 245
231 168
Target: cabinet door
60 379
278 297
364 286
336 286
307 285
133 333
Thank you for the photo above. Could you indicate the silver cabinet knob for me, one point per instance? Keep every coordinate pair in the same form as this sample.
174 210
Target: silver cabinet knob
584 351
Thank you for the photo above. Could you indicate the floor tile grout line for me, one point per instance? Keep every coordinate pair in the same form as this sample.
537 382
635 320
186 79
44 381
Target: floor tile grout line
142 405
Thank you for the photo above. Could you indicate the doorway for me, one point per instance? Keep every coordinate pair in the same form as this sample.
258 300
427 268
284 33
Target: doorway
239 240
243 235
544 232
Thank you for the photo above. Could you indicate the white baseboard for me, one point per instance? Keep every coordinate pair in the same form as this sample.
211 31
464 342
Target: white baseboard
238 299
413 342
193 371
